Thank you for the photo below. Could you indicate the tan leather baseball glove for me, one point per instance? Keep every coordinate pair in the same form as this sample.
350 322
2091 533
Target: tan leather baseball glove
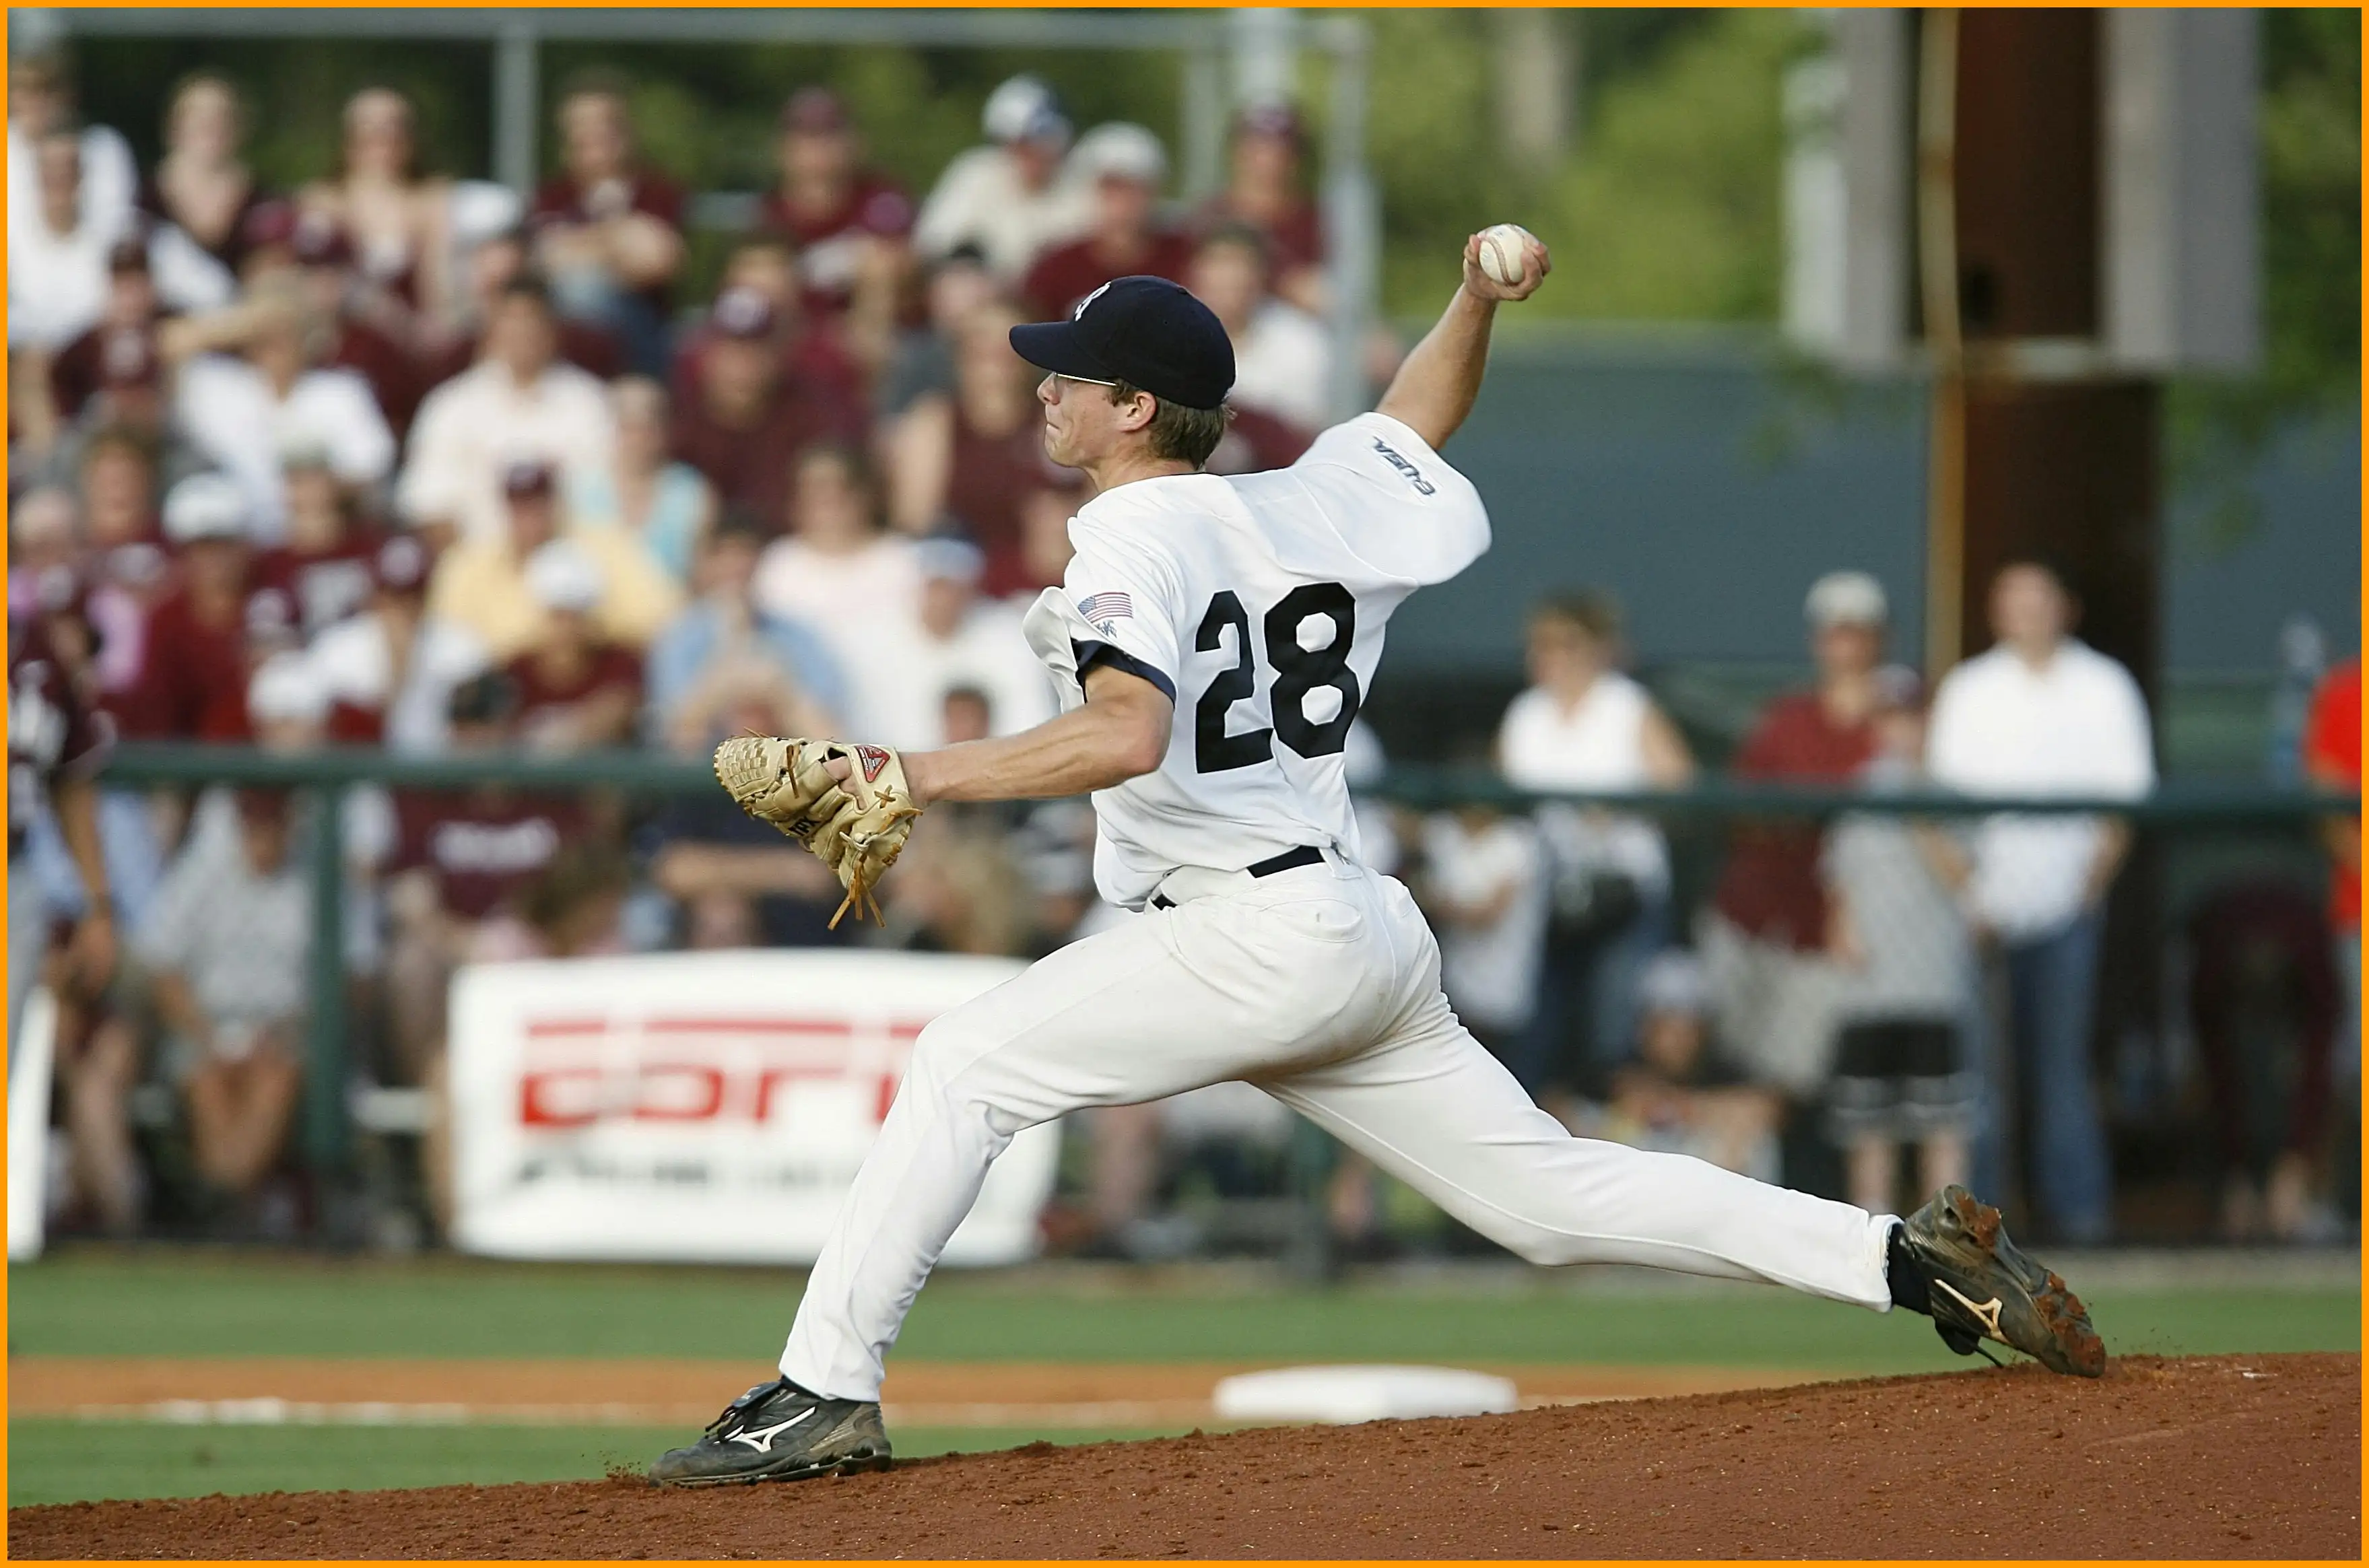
857 827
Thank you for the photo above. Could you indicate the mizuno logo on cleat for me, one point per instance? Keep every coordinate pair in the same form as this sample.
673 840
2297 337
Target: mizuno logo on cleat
1988 1314
762 1439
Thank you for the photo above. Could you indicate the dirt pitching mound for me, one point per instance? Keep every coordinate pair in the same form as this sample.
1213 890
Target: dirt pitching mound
2217 1456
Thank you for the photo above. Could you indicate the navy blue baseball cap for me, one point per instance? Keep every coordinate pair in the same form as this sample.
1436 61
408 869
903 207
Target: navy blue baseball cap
1146 332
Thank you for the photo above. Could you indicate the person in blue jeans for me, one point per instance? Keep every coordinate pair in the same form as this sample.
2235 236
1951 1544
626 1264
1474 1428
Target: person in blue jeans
2043 713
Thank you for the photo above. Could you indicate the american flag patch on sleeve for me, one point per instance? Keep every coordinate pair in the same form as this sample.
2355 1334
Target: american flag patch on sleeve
1100 607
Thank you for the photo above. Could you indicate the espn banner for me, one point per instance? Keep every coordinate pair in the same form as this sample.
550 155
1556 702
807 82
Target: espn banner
707 1107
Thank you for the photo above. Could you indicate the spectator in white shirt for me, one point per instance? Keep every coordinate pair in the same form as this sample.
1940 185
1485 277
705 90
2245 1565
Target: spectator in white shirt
42 100
958 641
1582 725
1283 357
57 257
837 572
245 409
518 403
1015 198
2042 714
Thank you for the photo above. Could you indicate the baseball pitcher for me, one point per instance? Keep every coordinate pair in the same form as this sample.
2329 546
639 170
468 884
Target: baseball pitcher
1212 642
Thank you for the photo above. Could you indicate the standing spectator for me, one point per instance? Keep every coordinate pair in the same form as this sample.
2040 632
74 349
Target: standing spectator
324 562
958 642
1485 888
1903 1055
838 573
1764 937
270 395
723 652
202 185
576 689
663 504
609 230
851 225
1283 357
746 418
2042 714
42 100
1265 189
975 461
1013 198
517 404
481 586
389 671
2332 761
225 948
192 682
1127 165
1582 725
399 220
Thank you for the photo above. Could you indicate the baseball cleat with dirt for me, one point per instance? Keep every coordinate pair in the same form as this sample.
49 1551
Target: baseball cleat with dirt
777 1431
1983 1287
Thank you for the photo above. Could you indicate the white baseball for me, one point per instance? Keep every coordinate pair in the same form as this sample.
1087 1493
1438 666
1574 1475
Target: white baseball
1505 253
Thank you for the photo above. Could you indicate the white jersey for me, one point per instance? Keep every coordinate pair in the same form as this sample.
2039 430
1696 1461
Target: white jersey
1256 603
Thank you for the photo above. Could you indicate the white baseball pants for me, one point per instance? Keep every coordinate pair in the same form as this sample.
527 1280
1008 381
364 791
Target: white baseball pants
1320 986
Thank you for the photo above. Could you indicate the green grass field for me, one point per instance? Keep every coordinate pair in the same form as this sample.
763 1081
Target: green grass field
201 1304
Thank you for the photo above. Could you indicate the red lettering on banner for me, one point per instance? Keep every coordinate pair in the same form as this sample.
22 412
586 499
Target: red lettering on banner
708 1094
536 1098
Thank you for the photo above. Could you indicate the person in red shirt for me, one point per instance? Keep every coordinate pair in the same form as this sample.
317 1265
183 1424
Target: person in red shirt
852 227
2332 761
1766 936
194 665
324 564
746 416
120 350
576 688
1128 166
1266 189
323 260
609 230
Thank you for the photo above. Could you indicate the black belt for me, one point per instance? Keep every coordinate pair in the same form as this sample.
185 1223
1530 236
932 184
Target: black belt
1289 859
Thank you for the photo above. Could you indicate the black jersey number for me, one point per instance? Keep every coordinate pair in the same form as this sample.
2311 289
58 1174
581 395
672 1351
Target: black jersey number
1298 671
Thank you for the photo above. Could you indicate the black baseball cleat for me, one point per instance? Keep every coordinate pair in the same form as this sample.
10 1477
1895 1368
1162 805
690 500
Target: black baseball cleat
777 1431
1980 1285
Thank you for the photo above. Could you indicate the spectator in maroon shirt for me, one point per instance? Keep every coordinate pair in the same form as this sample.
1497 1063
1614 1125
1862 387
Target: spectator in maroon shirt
324 562
576 689
120 351
361 337
1128 166
851 226
1767 933
974 463
1264 189
746 416
497 263
609 230
202 185
194 665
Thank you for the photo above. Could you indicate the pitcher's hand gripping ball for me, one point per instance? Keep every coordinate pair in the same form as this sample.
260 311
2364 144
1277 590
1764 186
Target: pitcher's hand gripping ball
856 826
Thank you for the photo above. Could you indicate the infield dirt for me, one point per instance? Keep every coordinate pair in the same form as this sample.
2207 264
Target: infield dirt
2212 1457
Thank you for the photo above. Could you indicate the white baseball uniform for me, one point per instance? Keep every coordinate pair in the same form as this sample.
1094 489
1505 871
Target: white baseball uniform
1257 603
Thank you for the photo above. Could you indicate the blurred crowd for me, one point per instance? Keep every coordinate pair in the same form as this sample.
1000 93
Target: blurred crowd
398 461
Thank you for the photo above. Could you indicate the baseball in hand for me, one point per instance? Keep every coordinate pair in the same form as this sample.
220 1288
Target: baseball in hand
1505 253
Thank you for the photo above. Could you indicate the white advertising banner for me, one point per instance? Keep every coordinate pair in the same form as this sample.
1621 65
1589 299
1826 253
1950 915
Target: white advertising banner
706 1107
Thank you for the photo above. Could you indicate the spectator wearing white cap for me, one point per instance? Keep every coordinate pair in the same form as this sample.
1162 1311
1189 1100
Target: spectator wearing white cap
1013 198
2042 713
957 640
194 666
577 689
270 394
482 584
1127 167
520 401
1765 937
